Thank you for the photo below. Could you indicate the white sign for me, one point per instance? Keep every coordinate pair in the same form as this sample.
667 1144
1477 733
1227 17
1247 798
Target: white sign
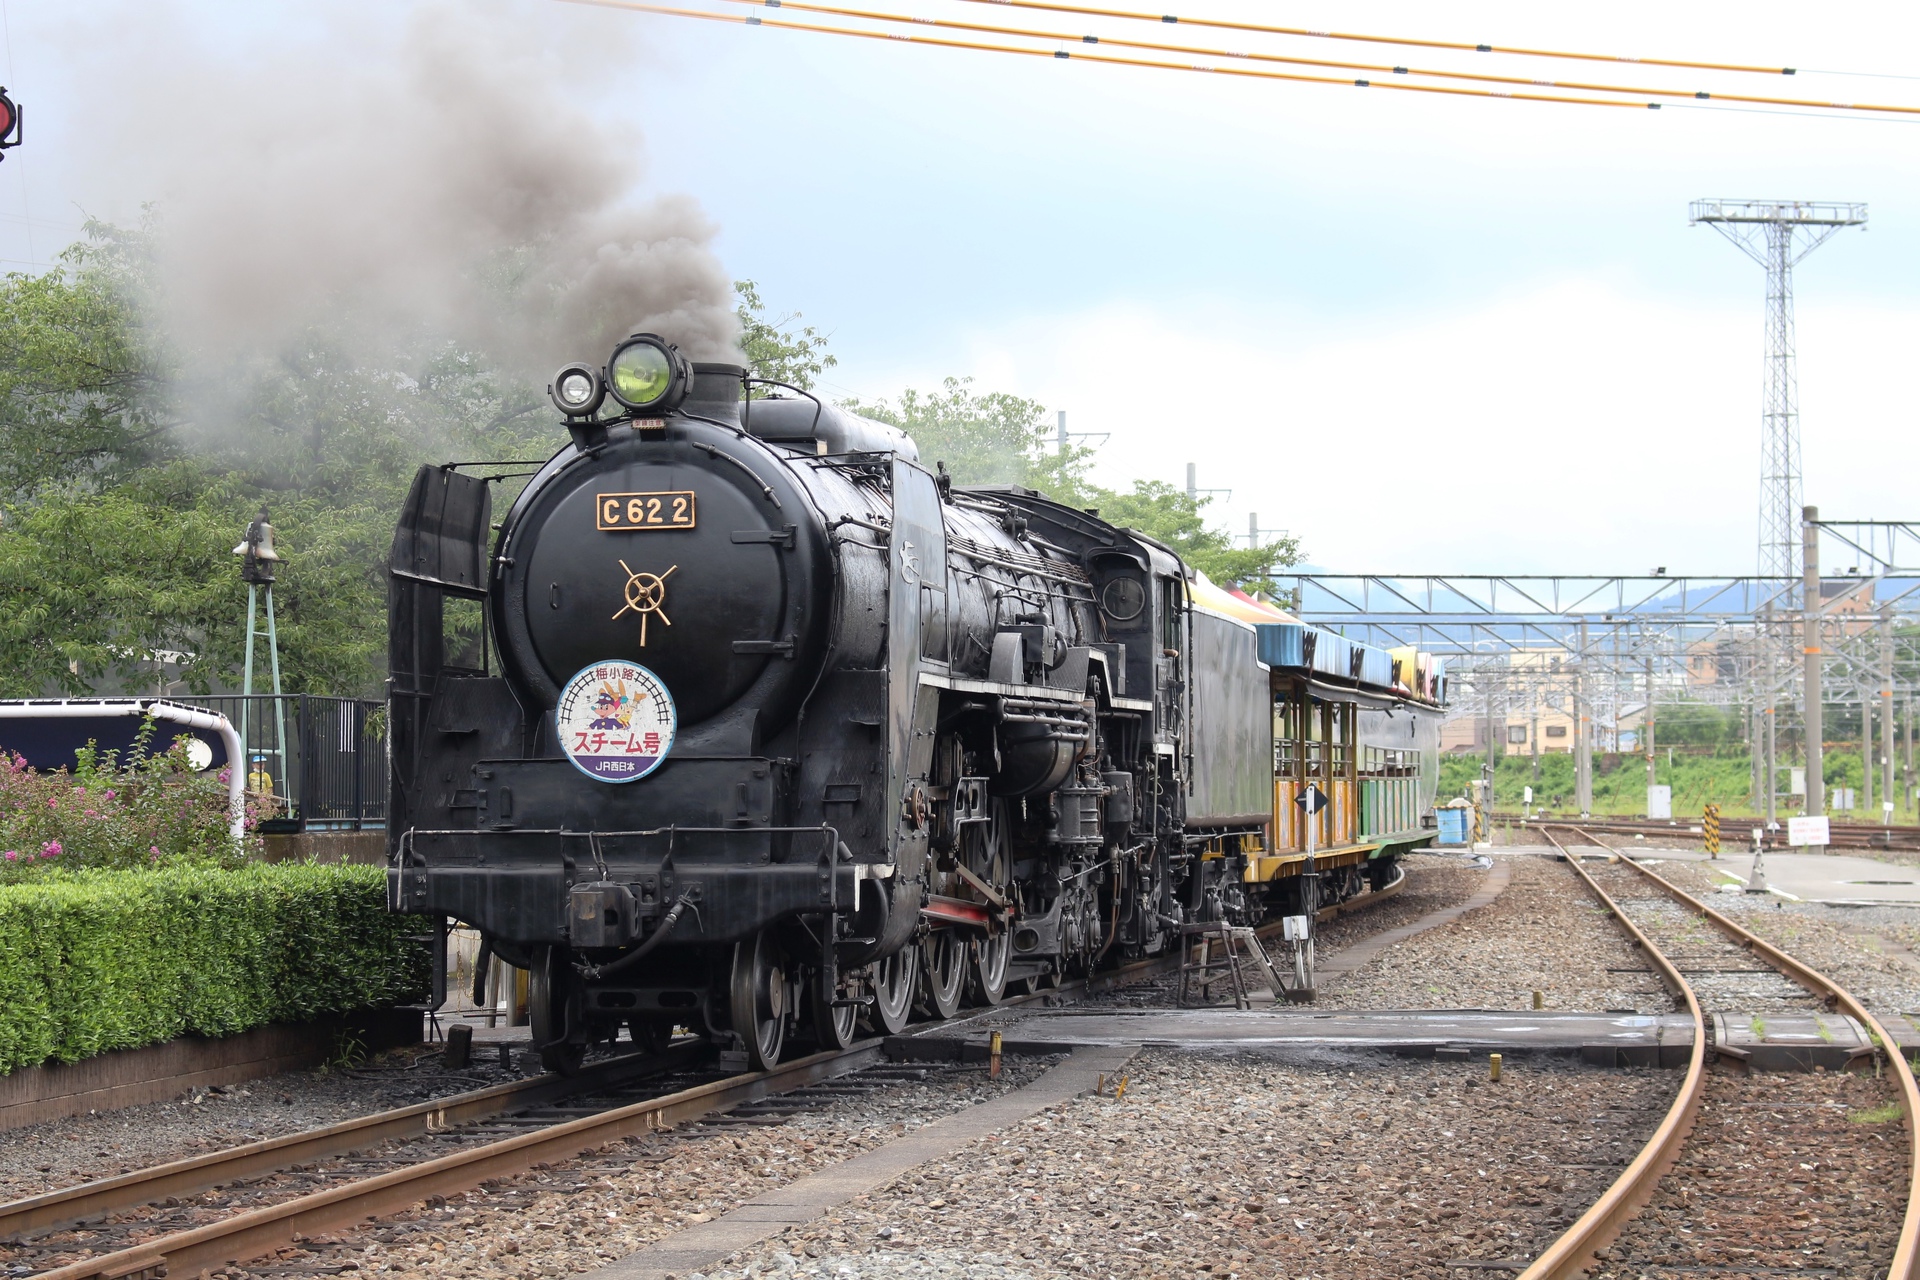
616 721
1527 794
1802 832
1796 782
1660 802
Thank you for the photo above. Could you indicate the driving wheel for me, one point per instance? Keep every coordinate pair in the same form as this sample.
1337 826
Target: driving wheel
759 1000
835 1022
944 954
989 857
895 980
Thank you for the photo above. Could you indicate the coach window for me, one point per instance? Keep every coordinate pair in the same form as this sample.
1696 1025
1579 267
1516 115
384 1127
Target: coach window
1286 734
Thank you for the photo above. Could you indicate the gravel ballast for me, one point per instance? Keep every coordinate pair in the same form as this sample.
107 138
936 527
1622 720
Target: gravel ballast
571 1217
63 1153
1838 941
1241 1166
1782 1174
1545 933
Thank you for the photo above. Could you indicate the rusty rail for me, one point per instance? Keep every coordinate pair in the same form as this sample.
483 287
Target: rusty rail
198 1173
1573 1251
249 1235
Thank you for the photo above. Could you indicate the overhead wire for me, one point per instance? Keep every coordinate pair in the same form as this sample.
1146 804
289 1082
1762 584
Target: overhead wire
1371 68
755 20
1412 42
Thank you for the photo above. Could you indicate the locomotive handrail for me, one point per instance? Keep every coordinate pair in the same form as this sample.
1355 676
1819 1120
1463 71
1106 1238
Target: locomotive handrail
650 831
746 411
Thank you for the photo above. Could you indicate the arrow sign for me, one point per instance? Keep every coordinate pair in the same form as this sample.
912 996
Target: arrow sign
1312 800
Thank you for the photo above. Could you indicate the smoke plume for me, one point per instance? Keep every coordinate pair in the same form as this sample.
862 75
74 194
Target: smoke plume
436 178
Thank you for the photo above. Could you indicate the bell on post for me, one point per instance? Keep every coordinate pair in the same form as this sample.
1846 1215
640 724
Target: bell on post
256 550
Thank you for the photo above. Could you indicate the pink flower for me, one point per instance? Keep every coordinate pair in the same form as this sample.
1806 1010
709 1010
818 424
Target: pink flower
110 793
12 856
51 849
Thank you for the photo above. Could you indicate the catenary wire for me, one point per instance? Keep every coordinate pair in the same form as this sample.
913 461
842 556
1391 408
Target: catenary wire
1376 68
755 20
1408 41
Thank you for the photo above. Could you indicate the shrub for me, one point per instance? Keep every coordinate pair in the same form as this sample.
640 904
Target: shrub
153 809
92 961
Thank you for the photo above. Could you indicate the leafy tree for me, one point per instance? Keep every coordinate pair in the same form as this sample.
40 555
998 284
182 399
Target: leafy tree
773 348
81 394
1167 514
996 438
110 583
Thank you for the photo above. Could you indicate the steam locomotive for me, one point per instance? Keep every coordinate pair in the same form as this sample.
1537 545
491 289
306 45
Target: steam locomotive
742 719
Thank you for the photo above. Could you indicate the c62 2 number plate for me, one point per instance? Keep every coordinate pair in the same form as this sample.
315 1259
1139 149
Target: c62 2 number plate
622 512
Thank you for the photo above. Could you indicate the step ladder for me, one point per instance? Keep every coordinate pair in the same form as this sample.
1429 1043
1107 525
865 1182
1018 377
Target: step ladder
1210 955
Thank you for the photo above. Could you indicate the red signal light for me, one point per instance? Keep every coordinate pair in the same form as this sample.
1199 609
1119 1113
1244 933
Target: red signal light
9 122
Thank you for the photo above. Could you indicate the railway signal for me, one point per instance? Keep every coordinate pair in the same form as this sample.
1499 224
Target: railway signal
1710 829
9 122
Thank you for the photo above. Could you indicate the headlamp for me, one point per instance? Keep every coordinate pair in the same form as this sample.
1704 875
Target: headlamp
577 390
647 374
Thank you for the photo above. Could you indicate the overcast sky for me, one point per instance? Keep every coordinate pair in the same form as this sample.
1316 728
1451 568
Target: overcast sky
1424 334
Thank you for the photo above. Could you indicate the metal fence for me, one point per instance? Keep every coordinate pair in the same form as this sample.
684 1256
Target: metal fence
334 775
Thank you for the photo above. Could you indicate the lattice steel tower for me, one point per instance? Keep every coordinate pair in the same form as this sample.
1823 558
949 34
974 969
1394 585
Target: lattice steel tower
1764 230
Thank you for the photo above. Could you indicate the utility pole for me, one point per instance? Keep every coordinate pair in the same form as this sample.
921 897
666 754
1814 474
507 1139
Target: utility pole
1771 714
1193 490
1060 440
1582 733
1886 702
1492 759
1810 651
1533 726
1866 752
1648 721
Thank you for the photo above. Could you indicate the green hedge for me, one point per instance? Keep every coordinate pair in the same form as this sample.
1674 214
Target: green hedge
103 960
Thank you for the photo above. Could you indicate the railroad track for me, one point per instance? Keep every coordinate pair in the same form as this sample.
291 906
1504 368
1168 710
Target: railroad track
1733 832
1744 1178
244 1202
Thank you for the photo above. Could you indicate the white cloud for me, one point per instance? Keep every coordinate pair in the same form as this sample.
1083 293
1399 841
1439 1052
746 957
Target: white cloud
1580 426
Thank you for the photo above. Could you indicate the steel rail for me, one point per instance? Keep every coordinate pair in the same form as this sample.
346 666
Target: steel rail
198 1173
1861 835
1570 1255
249 1235
1573 1251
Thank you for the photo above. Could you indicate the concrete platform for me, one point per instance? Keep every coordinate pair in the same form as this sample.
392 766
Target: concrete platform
1608 1038
1839 879
1776 1043
1836 879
